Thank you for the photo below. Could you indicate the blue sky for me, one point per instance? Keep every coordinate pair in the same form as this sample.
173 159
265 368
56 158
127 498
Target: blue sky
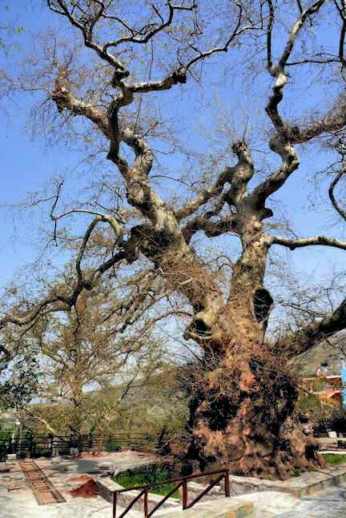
27 163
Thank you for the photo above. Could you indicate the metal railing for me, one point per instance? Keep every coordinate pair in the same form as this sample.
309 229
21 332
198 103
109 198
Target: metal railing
181 483
48 445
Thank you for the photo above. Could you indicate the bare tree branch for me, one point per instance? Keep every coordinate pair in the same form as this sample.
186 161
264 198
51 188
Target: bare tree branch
210 228
178 76
337 178
51 214
290 163
283 140
58 301
153 29
237 176
342 13
203 197
332 122
292 244
309 336
65 100
61 7
269 34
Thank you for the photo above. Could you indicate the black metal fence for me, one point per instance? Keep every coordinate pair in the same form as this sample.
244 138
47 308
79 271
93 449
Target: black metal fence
34 446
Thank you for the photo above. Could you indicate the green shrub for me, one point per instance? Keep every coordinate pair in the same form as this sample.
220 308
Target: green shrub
112 445
332 458
153 475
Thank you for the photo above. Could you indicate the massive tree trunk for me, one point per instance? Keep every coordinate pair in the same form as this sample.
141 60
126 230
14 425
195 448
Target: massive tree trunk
242 414
242 411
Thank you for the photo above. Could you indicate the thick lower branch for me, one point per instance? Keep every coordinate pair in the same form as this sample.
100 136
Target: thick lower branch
304 339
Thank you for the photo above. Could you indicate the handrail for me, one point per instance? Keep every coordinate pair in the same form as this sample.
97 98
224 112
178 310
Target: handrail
182 481
179 479
131 504
166 497
205 491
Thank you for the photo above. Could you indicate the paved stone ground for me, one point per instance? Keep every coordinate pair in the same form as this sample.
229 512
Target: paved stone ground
19 500
23 504
17 503
330 503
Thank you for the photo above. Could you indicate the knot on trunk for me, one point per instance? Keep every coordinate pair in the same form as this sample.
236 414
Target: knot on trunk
179 76
262 302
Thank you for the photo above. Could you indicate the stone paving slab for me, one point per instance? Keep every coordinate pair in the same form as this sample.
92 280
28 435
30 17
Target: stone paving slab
308 483
267 504
119 461
222 508
328 504
23 504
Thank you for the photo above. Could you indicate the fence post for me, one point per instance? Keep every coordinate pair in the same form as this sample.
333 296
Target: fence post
51 445
184 494
146 510
227 488
30 445
33 448
114 504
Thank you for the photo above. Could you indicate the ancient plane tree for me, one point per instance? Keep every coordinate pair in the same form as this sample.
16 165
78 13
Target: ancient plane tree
243 407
